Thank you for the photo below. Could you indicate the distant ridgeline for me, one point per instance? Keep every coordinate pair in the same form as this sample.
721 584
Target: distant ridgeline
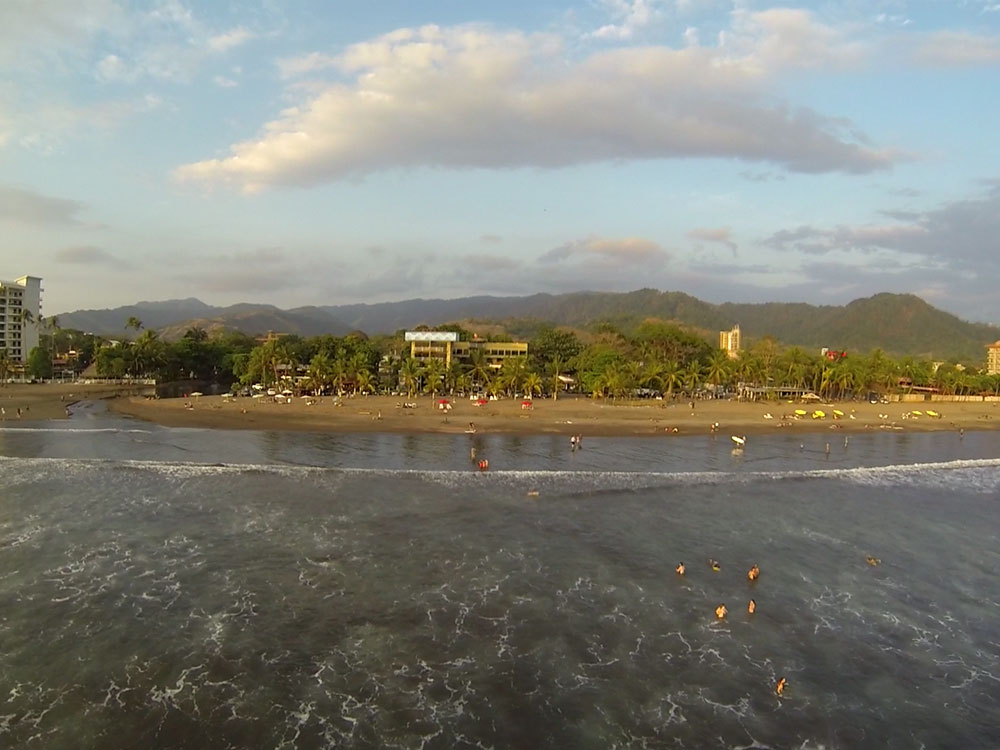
900 324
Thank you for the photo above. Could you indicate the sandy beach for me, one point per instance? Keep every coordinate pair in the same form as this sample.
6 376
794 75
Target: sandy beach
50 400
567 416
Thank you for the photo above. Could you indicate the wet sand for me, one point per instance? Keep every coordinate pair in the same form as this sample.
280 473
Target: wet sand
567 415
51 400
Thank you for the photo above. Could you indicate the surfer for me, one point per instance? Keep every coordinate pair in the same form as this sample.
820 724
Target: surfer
873 561
780 687
721 612
680 569
714 565
753 573
752 607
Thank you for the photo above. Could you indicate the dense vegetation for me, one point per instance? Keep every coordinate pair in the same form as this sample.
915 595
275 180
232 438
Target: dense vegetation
899 324
653 358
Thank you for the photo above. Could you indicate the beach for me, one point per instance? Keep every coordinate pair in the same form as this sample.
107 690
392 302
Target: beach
565 416
568 415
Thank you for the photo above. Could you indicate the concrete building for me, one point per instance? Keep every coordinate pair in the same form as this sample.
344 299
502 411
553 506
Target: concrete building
20 316
729 342
445 345
993 358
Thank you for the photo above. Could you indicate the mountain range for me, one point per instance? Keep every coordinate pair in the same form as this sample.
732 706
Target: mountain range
900 324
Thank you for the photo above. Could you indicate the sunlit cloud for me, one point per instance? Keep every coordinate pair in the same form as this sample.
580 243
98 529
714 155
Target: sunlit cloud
478 97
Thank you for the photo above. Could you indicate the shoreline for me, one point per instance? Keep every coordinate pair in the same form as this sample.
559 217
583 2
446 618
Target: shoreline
566 416
569 415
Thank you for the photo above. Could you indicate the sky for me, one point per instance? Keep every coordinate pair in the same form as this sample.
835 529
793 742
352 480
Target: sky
324 152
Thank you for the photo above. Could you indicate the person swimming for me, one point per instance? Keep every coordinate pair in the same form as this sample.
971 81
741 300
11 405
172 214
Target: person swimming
721 612
680 569
873 561
714 565
753 573
752 607
780 687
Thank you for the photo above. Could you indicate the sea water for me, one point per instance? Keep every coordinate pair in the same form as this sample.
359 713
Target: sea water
193 588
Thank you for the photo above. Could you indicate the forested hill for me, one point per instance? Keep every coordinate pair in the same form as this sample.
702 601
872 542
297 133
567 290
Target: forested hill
900 324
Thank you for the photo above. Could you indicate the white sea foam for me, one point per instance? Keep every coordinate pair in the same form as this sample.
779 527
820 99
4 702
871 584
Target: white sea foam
971 474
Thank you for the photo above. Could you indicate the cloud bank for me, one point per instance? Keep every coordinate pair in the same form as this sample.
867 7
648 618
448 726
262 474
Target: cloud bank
477 97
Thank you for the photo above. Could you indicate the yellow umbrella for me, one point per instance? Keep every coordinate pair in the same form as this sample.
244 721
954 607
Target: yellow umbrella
800 412
932 414
819 414
917 413
838 413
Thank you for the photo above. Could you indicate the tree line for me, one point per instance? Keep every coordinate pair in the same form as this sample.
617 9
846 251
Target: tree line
655 358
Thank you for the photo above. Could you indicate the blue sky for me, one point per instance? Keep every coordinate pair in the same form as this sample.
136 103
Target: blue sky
310 152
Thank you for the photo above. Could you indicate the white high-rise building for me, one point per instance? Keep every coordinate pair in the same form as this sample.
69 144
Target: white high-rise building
730 342
20 316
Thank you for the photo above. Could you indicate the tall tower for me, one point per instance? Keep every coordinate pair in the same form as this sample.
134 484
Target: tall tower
20 314
729 341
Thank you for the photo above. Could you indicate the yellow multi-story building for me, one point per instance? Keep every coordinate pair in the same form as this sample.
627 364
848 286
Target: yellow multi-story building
445 345
20 316
729 341
993 358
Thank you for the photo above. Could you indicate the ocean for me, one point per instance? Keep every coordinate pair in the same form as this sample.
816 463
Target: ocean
180 588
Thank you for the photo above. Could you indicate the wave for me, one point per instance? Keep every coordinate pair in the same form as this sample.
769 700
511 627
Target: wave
975 474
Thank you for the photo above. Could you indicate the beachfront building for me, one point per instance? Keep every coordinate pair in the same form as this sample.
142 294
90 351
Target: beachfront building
445 345
729 341
20 316
993 358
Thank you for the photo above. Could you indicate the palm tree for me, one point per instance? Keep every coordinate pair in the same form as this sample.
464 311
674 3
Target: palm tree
365 381
719 367
532 384
556 368
512 373
692 376
195 333
479 368
671 376
133 322
410 373
433 374
320 372
147 353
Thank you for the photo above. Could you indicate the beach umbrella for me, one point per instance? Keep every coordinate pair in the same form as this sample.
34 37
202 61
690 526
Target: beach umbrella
800 412
838 413
933 414
196 394
917 413
819 414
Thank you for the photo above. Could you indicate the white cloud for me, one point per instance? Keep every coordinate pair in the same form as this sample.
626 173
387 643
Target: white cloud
721 235
230 39
224 83
90 255
631 17
29 207
625 250
955 48
960 234
470 96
